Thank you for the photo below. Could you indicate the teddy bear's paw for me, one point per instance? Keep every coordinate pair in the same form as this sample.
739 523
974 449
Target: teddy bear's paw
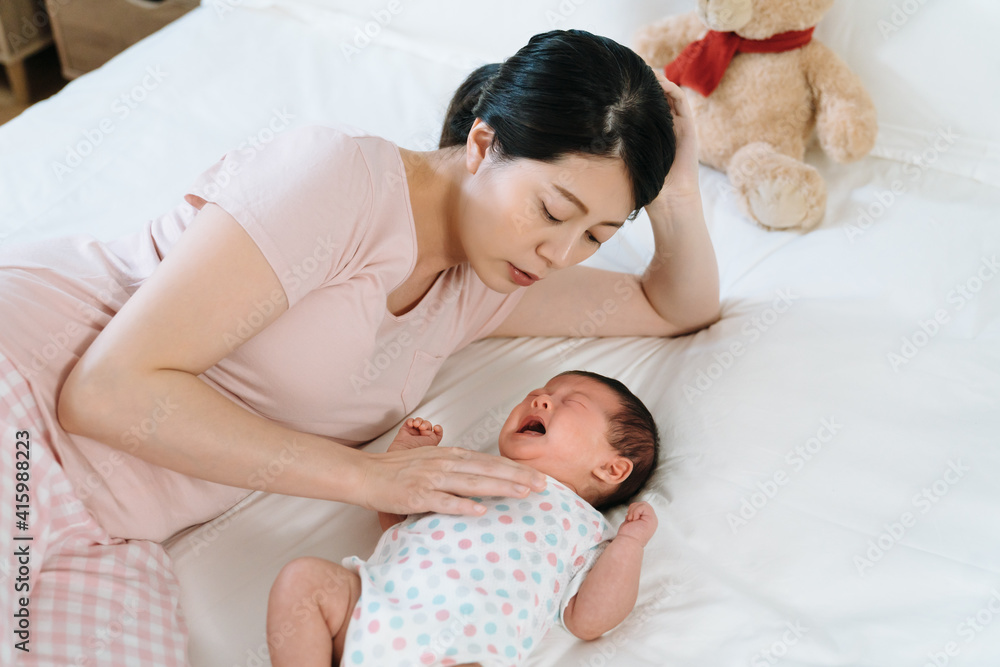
776 191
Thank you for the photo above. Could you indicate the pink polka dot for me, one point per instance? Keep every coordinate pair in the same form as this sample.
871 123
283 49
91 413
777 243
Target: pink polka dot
480 589
507 608
373 626
506 519
530 536
394 600
463 544
493 556
596 524
399 643
545 506
537 600
427 658
566 523
519 575
448 662
453 574
416 606
552 558
579 561
395 535
491 648
357 612
404 559
557 586
437 534
425 564
442 615
579 504
470 630
597 537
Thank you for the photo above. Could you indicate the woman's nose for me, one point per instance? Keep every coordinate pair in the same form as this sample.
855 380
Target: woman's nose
558 251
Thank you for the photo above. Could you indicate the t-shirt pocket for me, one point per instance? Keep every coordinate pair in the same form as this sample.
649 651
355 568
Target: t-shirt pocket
418 380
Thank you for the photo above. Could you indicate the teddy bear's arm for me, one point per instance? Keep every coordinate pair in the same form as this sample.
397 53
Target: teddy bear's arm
659 43
846 123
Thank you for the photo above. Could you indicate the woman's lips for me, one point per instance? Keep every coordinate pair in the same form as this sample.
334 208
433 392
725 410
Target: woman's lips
522 278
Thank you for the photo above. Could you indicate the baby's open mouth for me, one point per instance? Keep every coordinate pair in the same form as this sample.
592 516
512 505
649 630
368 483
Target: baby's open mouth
532 425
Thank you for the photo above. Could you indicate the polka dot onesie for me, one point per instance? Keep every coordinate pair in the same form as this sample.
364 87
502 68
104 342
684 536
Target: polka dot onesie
444 590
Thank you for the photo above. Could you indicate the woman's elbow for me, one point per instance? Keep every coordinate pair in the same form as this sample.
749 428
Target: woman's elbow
80 403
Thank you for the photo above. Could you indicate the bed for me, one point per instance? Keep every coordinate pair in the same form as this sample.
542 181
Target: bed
828 492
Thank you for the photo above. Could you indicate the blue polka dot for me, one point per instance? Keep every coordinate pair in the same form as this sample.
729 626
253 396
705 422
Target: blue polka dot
477 574
565 507
490 628
423 551
389 586
372 607
402 552
530 520
526 643
510 651
503 508
424 639
523 614
451 651
358 657
488 538
466 609
413 592
438 599
544 493
514 554
396 623
460 527
582 528
559 566
502 592
551 538
448 559
434 523
537 577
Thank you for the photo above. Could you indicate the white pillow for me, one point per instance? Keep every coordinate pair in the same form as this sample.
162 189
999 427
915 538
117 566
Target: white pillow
933 71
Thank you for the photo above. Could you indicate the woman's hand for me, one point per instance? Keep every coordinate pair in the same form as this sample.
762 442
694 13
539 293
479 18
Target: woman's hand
411 478
682 179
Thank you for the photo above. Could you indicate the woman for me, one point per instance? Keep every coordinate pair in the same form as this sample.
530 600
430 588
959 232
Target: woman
302 298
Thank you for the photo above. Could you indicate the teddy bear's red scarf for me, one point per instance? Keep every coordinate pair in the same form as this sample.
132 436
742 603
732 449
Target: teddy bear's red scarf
701 65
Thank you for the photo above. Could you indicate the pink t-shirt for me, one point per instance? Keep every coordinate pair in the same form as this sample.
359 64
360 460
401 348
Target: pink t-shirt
331 214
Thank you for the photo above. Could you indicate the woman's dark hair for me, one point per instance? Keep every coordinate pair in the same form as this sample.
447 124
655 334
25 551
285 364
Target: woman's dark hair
570 91
632 433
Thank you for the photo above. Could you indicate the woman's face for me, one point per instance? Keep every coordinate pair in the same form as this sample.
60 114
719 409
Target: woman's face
524 219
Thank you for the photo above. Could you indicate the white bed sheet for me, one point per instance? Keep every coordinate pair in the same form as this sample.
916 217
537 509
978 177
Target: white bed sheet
798 366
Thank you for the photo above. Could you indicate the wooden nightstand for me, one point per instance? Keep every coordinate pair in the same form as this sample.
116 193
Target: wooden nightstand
88 33
24 29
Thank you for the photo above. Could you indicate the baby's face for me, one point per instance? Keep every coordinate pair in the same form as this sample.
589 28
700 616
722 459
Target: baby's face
561 429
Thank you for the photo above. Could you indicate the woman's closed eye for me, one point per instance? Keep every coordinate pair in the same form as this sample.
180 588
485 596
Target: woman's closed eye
552 218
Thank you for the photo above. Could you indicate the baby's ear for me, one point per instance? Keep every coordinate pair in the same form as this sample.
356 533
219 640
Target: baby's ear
616 470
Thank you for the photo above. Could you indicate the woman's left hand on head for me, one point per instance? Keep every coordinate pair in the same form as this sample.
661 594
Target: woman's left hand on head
682 179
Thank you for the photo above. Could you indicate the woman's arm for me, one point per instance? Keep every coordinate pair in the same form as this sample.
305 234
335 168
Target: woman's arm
608 594
682 280
143 367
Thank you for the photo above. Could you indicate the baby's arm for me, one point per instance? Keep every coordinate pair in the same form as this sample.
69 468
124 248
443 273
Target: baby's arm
611 588
415 432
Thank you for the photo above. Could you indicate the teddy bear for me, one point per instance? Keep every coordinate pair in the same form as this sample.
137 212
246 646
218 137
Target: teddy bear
759 84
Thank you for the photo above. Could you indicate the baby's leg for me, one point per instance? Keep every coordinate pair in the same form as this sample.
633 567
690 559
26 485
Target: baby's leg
311 602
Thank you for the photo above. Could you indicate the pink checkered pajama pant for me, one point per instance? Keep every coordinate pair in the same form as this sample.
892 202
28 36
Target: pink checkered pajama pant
70 593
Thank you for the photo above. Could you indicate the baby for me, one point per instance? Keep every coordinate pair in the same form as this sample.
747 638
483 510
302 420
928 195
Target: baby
447 590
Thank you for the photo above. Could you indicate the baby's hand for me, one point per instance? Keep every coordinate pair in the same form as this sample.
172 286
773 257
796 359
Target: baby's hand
640 522
416 432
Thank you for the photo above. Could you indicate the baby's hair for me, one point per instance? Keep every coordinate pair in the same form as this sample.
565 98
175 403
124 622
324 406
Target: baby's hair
633 434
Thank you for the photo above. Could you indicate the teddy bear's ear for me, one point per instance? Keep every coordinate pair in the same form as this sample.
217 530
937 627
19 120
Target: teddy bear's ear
661 42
